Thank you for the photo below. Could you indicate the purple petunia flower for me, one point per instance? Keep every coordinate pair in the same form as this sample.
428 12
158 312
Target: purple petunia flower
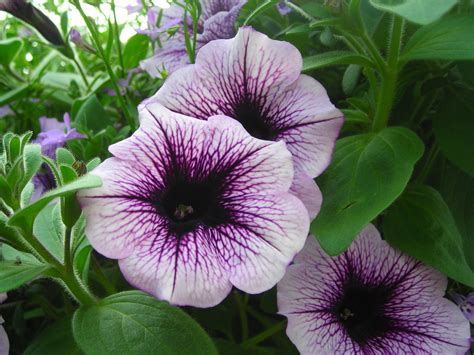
257 81
371 299
217 21
191 208
55 134
4 342
466 304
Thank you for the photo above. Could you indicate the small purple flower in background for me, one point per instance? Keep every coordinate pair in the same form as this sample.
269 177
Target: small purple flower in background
371 299
152 31
466 304
5 111
4 342
137 7
217 21
55 134
77 39
257 81
283 8
191 208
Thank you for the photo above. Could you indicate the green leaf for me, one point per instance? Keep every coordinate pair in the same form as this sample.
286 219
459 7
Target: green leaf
421 225
64 156
56 339
91 115
457 189
9 49
335 58
135 323
449 38
49 229
368 173
24 218
453 126
135 50
62 81
421 12
32 160
15 94
14 274
259 10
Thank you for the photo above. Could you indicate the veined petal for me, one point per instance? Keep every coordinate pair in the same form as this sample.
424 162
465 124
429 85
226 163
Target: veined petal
370 299
191 207
257 81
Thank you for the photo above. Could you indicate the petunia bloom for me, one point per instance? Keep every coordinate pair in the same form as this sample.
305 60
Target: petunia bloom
257 81
191 208
4 342
371 299
136 7
466 304
217 21
55 134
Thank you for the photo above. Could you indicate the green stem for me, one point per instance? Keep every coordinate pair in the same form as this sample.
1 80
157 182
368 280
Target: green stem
68 276
81 71
389 77
68 263
117 39
113 78
14 74
374 52
241 305
104 281
267 333
300 11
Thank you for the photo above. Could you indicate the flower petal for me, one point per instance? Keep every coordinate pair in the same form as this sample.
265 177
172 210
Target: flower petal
422 320
252 69
265 234
308 192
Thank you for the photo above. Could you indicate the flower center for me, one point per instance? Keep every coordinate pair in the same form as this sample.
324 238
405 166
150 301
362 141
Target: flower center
249 114
189 204
361 311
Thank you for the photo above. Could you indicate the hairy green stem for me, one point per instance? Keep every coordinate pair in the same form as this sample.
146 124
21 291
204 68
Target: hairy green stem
389 77
108 67
300 11
278 327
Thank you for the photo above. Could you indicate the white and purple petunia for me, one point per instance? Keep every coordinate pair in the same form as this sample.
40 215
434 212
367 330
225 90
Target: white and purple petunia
257 81
371 299
4 342
217 21
192 207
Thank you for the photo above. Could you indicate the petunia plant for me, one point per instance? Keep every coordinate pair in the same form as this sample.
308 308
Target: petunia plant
236 177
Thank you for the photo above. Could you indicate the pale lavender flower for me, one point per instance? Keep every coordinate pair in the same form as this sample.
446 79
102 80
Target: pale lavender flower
466 304
192 208
257 81
24 32
76 38
4 342
217 21
371 299
283 8
5 111
55 134
137 7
